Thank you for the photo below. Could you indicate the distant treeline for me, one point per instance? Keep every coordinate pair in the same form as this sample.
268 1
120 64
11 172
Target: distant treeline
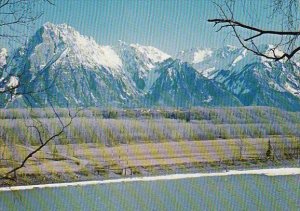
112 127
111 132
234 115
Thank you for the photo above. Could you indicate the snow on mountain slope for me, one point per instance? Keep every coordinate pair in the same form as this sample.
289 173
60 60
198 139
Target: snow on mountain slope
150 54
200 55
82 50
194 55
3 55
140 63
208 61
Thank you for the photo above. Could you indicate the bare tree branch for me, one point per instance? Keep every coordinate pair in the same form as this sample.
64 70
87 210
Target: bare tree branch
227 20
15 14
42 145
231 22
50 2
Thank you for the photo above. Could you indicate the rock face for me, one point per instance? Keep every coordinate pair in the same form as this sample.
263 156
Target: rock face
179 84
65 68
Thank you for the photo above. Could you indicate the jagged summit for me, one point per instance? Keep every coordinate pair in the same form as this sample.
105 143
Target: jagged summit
59 28
148 54
151 53
80 49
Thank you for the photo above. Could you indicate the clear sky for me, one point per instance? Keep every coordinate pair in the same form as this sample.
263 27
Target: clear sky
171 25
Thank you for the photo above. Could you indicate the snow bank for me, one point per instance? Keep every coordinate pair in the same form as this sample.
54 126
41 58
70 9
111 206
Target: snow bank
267 172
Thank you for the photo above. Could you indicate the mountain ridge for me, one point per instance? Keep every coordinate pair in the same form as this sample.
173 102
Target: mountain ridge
133 75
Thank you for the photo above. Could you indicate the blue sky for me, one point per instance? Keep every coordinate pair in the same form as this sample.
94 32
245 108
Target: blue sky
171 25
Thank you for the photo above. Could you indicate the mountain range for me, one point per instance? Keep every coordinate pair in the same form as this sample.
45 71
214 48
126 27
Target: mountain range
72 69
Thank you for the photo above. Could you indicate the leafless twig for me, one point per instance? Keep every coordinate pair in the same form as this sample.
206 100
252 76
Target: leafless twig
227 20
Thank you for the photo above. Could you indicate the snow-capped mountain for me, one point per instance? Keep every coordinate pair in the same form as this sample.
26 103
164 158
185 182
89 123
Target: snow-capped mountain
253 80
85 72
72 69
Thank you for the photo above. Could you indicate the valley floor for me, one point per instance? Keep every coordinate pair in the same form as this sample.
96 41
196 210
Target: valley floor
77 162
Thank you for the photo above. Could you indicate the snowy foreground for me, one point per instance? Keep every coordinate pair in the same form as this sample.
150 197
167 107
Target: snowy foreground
267 172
